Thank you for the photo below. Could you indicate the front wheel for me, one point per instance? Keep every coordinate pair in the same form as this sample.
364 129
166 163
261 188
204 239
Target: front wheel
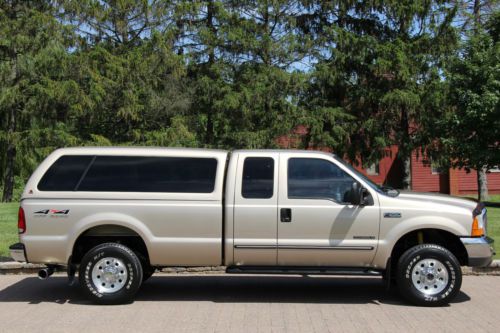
429 275
110 273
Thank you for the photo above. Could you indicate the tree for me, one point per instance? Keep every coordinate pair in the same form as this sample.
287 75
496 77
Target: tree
119 23
474 13
472 123
128 68
359 75
239 54
34 90
374 62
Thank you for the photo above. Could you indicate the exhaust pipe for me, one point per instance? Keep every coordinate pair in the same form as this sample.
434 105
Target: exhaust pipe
44 273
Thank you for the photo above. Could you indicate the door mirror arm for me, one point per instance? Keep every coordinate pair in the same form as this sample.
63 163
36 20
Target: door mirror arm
367 199
357 194
360 196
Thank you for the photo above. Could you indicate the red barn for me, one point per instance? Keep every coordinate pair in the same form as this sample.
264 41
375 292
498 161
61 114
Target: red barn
425 177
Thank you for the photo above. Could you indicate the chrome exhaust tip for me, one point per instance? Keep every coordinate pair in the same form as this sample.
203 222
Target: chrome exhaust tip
44 273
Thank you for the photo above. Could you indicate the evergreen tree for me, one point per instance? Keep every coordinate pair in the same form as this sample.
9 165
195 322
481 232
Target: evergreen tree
36 96
360 75
243 58
375 60
128 68
472 124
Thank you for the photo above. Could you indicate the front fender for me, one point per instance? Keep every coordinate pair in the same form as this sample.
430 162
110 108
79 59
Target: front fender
391 234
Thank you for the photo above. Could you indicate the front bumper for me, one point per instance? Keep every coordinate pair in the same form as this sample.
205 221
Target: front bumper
18 252
479 250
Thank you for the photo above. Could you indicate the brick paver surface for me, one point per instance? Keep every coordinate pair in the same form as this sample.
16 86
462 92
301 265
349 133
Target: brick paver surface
232 303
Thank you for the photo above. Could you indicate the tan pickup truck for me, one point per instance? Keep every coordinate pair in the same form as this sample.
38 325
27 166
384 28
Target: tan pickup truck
115 215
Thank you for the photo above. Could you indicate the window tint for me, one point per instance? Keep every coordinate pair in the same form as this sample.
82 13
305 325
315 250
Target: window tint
258 178
64 174
150 174
310 178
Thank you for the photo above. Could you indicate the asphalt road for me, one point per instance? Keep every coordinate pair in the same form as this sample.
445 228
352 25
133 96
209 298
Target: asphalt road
232 303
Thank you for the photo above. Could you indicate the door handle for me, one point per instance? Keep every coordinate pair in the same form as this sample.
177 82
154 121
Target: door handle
286 214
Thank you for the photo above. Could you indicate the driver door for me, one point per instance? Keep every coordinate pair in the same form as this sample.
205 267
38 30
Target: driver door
316 226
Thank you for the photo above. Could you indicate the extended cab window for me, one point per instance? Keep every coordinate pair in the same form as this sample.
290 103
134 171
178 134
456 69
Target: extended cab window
65 173
312 178
150 174
258 178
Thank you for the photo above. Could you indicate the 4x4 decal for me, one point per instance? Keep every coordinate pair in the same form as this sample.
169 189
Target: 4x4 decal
52 212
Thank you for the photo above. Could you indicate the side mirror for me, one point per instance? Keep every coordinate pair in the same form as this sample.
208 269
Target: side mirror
356 194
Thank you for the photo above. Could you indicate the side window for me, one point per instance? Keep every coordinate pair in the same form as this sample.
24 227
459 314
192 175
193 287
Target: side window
310 178
258 178
65 173
150 174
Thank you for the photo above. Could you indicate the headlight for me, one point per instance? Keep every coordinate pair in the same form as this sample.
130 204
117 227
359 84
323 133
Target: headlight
479 220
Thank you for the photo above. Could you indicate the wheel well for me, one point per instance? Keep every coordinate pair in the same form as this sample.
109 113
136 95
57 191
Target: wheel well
108 233
434 236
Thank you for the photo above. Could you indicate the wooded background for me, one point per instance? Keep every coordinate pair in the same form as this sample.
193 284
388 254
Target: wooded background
360 75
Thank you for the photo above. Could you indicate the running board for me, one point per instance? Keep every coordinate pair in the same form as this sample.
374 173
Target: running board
302 270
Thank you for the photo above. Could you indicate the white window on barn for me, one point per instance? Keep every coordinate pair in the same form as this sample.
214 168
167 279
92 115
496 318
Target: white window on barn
373 169
495 169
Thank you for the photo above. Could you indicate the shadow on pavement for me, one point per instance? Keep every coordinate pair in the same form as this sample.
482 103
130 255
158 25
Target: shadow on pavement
223 289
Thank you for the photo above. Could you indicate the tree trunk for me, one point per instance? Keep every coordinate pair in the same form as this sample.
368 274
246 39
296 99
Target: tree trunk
405 149
8 181
407 172
209 138
482 185
482 180
476 14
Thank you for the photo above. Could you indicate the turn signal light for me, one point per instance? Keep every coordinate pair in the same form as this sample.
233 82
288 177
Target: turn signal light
21 221
476 229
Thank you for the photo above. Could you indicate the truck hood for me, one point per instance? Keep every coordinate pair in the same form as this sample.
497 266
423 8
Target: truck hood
439 199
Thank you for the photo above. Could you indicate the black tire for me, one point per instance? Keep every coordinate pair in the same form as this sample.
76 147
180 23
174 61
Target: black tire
132 269
147 272
147 269
436 255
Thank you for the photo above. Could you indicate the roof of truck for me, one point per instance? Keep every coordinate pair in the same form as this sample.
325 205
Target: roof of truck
135 149
281 151
90 149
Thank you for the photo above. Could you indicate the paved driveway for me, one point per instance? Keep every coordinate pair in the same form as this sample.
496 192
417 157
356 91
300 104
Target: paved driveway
224 303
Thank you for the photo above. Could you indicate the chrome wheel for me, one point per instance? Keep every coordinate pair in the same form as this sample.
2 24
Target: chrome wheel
109 275
429 276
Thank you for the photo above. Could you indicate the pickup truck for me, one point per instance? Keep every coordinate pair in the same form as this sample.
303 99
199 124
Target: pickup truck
114 215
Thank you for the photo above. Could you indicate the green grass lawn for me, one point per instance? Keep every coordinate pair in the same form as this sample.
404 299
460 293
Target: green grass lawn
8 225
494 227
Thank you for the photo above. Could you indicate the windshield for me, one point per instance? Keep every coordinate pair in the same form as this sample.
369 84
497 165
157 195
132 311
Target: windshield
380 189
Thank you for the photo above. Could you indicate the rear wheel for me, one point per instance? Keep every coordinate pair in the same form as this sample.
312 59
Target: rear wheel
110 273
429 275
